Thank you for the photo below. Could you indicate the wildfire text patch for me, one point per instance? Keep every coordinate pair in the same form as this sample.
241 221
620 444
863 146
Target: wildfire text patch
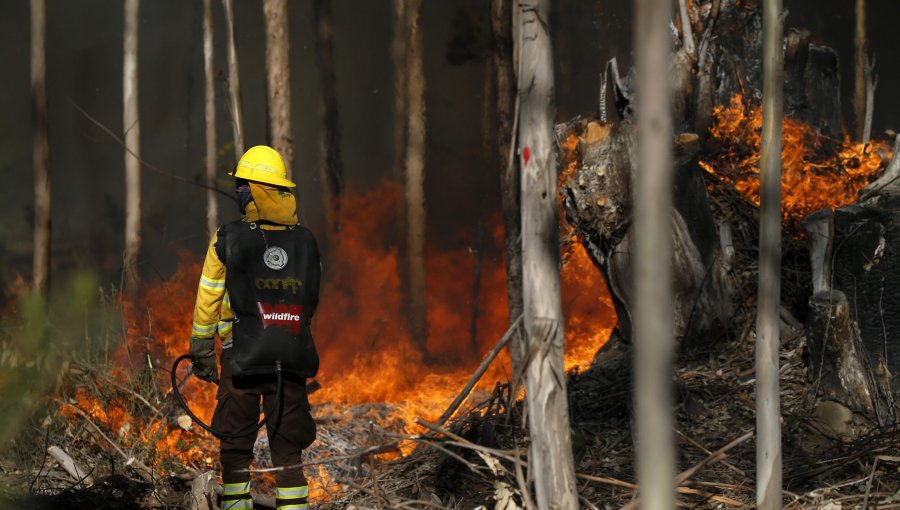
284 316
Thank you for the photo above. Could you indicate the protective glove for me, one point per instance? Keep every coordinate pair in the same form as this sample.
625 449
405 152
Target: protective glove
203 359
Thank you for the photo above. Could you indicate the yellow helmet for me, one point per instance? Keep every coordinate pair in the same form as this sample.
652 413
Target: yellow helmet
262 164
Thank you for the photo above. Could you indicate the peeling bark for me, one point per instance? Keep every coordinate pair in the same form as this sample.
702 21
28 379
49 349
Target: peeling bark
545 383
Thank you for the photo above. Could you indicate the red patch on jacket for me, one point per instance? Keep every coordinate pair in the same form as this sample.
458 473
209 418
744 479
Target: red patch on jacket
289 317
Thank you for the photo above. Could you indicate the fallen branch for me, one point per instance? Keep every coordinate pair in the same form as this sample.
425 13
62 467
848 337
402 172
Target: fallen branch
607 481
700 446
714 457
681 490
433 444
462 442
461 397
145 472
81 476
683 477
384 448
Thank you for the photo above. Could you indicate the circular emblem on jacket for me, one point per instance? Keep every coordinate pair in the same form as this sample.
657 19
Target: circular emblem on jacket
275 258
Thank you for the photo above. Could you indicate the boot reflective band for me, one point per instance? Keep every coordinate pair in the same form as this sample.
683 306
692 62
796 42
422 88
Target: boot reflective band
236 496
292 492
300 506
236 489
240 504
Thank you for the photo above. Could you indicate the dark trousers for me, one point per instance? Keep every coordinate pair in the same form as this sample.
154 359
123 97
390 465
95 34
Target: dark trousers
291 429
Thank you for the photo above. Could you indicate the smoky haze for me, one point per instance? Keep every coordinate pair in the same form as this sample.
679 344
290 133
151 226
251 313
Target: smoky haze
84 66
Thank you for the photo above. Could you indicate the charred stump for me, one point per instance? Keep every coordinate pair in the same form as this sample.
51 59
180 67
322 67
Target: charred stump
598 204
841 368
840 270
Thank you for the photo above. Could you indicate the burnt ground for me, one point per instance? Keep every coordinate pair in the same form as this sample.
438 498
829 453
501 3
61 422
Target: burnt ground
715 405
714 396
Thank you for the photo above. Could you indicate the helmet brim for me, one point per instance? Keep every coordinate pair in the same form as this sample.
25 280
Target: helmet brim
267 178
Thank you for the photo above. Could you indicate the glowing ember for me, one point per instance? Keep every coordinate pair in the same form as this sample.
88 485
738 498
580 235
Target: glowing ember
817 172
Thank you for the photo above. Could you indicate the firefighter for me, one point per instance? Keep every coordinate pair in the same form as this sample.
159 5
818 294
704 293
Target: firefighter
258 290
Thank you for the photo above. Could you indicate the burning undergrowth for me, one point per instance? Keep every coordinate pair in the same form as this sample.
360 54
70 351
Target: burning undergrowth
374 378
817 171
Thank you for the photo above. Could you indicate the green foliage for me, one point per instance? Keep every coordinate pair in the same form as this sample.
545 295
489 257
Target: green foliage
39 340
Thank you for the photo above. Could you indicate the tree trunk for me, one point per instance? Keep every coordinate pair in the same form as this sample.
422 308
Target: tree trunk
871 83
415 173
545 379
40 146
278 80
768 341
398 59
510 186
234 83
331 168
687 34
653 312
859 82
212 206
131 126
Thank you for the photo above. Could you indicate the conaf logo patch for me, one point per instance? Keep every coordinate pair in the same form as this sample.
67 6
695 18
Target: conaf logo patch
275 258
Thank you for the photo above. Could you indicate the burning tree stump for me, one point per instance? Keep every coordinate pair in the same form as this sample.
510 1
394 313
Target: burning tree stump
598 203
853 330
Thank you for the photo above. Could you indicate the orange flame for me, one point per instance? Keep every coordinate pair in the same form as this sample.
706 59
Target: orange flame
361 330
817 172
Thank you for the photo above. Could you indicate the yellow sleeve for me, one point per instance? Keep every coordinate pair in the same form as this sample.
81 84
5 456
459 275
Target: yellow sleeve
211 307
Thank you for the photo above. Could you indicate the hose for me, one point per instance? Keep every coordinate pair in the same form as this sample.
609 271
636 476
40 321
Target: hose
219 434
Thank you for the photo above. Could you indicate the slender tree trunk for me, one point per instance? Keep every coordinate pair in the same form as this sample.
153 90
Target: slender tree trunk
489 139
415 173
545 378
398 59
40 146
234 82
653 312
859 82
510 185
278 80
871 83
212 206
132 128
331 168
687 34
768 406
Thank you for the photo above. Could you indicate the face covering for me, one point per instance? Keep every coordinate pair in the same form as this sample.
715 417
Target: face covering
244 197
